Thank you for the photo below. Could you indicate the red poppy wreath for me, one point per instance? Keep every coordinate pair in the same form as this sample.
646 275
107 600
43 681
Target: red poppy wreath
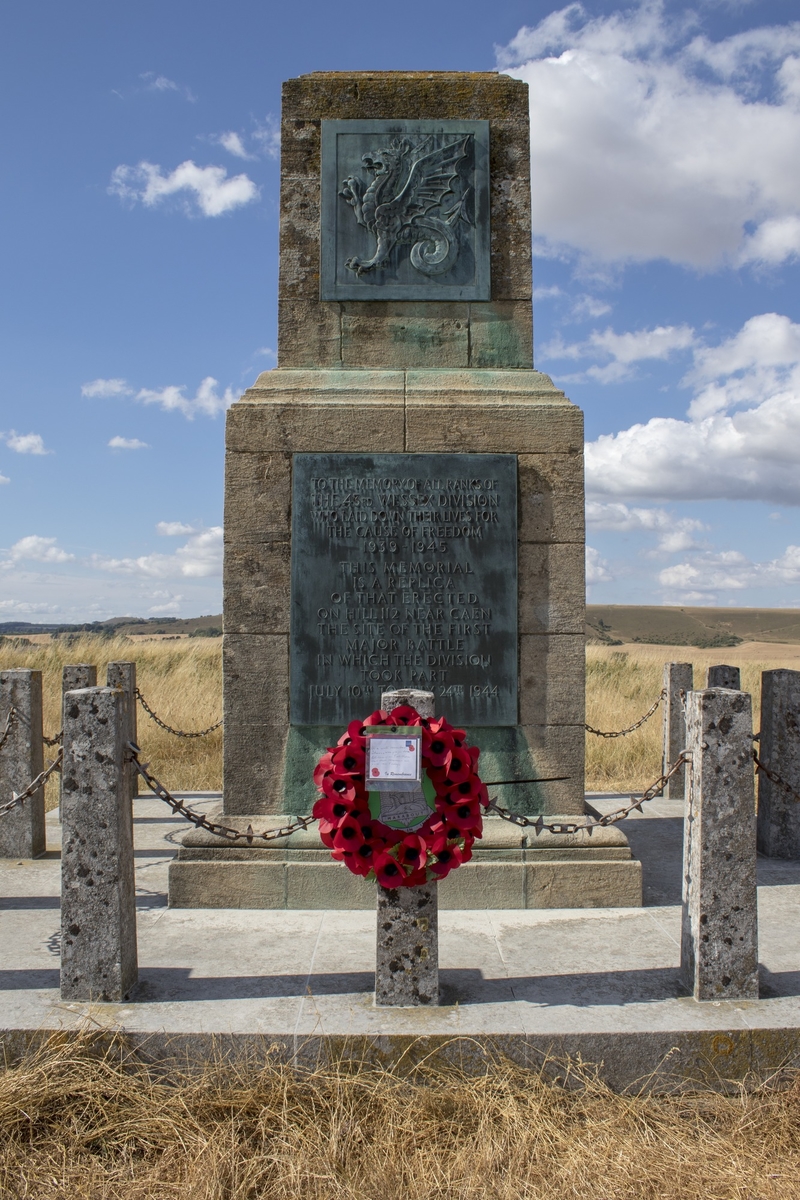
431 832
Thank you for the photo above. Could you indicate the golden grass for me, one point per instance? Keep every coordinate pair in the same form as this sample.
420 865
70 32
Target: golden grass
78 1125
181 681
622 683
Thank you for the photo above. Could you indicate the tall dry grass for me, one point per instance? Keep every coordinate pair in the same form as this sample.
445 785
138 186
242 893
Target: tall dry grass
621 684
181 681
77 1126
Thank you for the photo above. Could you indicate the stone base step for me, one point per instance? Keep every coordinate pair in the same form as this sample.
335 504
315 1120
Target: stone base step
511 868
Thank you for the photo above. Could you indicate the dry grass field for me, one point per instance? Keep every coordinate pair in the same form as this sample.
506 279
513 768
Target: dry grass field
182 680
75 1126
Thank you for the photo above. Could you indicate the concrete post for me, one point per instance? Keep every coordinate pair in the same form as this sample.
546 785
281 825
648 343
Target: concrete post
98 905
74 676
779 748
123 675
421 701
719 935
407 959
678 682
407 953
22 832
723 676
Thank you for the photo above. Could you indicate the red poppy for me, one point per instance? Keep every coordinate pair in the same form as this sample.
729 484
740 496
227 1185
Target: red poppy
404 714
353 733
460 767
331 809
412 851
379 717
348 834
326 832
439 750
463 792
324 765
388 871
348 760
465 817
446 855
343 789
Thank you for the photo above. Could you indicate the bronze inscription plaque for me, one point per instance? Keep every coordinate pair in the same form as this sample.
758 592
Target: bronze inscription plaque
404 574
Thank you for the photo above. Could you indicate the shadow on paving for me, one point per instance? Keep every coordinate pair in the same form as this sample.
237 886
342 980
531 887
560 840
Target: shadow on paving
159 985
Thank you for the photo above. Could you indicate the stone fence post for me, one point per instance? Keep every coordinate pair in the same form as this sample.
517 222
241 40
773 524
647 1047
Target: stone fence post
723 676
719 934
123 675
779 749
678 682
407 944
22 831
98 904
74 676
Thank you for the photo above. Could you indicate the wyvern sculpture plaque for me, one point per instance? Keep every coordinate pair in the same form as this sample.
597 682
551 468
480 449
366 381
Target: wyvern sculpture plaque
404 574
405 210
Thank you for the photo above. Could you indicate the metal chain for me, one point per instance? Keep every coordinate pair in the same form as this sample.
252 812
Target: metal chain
631 728
12 712
177 732
539 823
54 741
32 787
762 768
200 820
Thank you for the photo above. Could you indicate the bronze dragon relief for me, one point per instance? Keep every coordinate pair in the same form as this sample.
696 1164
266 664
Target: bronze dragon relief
410 178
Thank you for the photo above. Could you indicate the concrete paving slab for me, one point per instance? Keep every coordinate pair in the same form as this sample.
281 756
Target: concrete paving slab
602 983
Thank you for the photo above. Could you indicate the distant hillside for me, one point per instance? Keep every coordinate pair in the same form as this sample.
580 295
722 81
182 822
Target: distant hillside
702 627
116 625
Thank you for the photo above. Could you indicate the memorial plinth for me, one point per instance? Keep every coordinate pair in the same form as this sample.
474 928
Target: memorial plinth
455 463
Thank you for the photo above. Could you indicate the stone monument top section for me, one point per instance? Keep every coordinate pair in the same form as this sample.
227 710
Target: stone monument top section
405 221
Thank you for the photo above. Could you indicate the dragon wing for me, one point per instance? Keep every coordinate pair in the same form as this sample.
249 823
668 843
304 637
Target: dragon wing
428 182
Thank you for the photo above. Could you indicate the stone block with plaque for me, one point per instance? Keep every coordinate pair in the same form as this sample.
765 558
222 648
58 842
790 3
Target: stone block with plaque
404 498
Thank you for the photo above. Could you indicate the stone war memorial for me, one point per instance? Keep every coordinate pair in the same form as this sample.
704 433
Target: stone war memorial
404 501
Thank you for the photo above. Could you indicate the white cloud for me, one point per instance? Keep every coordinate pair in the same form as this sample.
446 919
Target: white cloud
4 479
25 443
648 142
37 549
105 388
624 349
161 83
168 608
268 135
232 142
121 443
174 529
209 189
206 400
199 558
707 574
597 569
675 534
589 306
742 438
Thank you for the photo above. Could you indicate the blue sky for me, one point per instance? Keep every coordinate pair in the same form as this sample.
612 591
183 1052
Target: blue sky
139 265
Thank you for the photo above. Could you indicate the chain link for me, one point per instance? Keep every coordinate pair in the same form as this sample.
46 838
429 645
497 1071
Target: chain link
12 713
539 823
622 732
32 787
773 777
177 732
54 741
200 820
